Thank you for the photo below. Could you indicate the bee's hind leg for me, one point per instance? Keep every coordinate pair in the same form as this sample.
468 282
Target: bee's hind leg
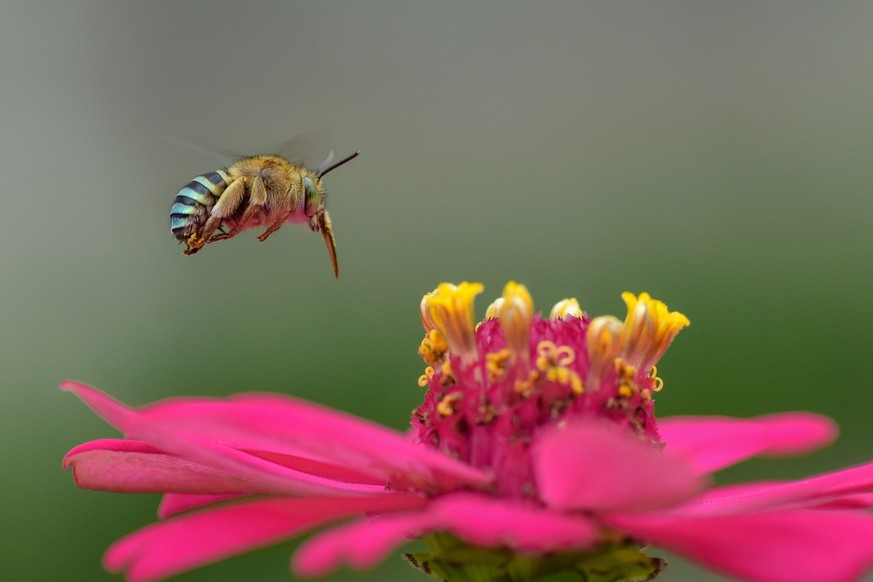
221 233
256 203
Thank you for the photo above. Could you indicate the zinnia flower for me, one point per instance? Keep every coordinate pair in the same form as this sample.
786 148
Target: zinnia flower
535 450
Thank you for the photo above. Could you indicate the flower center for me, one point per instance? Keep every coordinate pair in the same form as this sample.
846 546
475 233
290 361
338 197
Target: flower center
492 386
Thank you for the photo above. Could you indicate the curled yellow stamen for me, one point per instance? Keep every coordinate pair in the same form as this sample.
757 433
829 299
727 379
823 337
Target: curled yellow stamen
554 360
658 384
424 379
566 308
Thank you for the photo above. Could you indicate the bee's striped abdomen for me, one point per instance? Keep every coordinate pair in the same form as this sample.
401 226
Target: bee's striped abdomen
193 202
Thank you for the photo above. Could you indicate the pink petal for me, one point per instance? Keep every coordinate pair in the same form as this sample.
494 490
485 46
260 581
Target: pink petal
126 466
594 466
319 468
858 501
170 547
480 520
214 431
715 442
791 546
176 503
846 487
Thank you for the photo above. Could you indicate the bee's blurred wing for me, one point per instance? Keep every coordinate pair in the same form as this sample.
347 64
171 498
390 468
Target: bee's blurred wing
226 157
327 160
300 148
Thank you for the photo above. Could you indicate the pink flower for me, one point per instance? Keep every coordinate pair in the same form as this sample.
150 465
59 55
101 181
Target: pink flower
536 450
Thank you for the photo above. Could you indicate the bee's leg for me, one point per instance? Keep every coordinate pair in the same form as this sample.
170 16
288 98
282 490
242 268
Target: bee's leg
275 226
227 204
213 224
296 195
257 201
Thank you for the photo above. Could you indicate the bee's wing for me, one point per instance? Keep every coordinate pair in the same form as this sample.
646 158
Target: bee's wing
300 149
226 157
327 160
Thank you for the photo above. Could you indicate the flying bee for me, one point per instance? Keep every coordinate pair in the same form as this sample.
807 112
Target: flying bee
264 190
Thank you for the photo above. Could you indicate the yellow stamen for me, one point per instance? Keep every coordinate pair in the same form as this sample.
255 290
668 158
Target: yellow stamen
650 329
515 313
449 309
605 342
426 321
493 309
566 308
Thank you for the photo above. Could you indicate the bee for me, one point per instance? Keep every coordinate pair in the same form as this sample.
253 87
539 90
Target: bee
263 190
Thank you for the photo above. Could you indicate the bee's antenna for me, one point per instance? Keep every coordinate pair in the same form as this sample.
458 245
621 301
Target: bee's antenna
337 165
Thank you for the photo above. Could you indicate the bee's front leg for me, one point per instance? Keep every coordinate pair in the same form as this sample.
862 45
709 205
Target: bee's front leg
275 226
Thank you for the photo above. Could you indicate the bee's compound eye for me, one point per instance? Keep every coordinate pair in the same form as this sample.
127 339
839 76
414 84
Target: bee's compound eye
311 196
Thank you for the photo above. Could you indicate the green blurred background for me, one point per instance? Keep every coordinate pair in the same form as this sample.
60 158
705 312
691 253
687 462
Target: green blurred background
716 154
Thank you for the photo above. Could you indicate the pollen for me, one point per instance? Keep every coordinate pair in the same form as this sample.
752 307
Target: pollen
449 404
433 347
626 374
525 386
496 364
448 376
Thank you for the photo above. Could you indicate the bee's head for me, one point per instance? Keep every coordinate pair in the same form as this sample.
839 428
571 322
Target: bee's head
313 189
313 194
